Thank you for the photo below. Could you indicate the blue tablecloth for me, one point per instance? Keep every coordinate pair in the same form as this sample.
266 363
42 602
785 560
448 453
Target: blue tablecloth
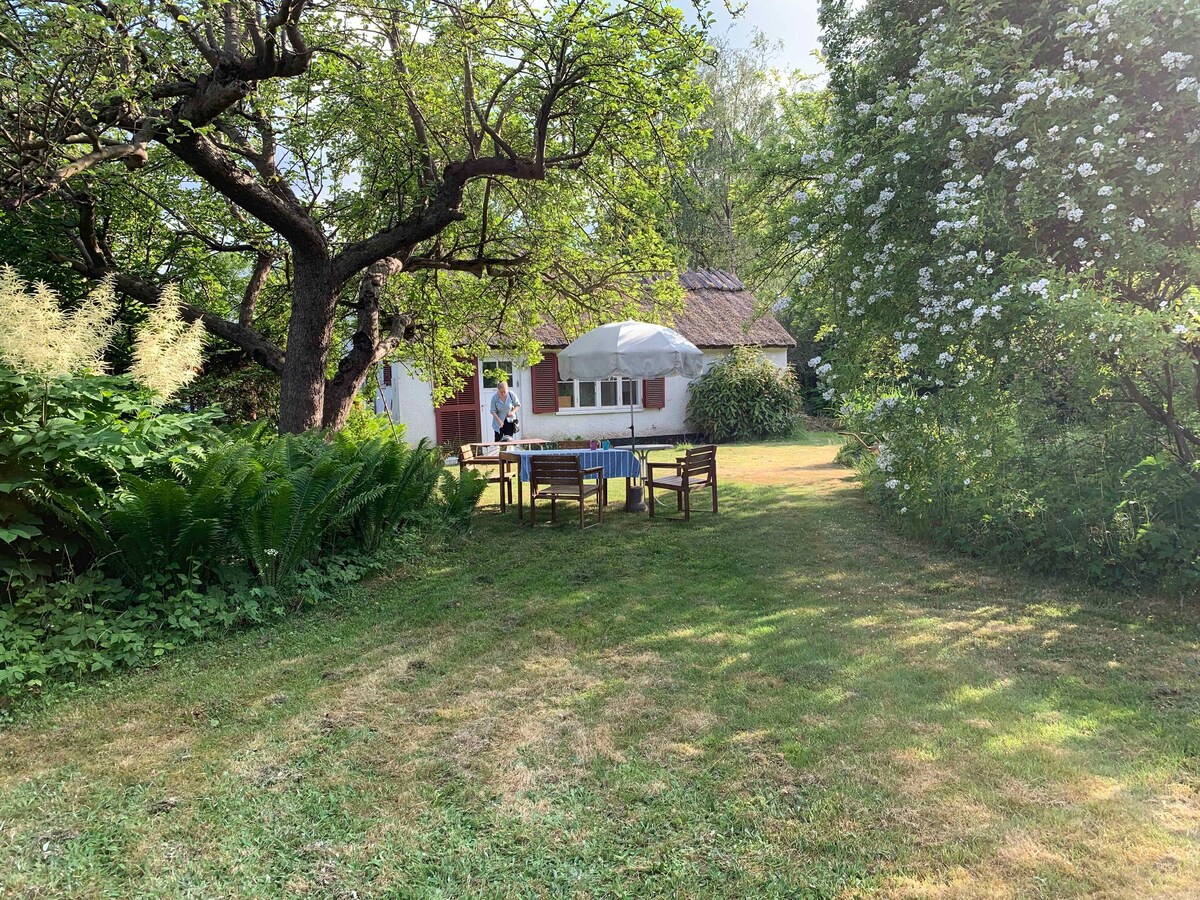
616 463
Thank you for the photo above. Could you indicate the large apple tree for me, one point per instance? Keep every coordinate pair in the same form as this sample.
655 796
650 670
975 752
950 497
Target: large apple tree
403 173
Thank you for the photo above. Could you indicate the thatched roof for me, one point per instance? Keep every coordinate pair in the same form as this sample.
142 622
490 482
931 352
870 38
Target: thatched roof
718 313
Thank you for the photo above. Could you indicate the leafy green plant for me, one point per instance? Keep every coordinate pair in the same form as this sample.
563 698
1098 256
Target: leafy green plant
460 496
186 522
307 492
67 446
163 523
186 527
744 396
92 623
362 425
394 481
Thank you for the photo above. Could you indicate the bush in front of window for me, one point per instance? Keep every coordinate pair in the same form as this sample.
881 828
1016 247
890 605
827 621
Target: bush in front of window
744 396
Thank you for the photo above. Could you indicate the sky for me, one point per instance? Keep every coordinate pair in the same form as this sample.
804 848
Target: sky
794 22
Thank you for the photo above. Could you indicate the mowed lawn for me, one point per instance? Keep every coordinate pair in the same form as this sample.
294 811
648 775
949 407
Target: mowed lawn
785 700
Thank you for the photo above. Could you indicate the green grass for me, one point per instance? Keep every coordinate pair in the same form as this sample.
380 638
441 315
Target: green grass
785 700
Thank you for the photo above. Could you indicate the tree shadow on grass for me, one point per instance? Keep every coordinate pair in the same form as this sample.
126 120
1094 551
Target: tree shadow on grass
970 704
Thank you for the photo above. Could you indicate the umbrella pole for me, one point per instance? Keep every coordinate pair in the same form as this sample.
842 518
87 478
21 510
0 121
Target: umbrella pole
632 432
635 501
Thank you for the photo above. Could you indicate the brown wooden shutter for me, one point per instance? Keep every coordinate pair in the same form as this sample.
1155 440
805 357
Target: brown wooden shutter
654 393
545 385
387 375
458 419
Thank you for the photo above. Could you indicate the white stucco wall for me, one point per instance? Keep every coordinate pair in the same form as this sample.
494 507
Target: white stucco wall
410 401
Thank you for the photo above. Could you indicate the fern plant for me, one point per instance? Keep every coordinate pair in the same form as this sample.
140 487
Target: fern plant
396 482
183 524
161 525
307 493
460 496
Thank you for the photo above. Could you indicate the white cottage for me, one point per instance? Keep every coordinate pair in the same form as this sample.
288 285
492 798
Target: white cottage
718 314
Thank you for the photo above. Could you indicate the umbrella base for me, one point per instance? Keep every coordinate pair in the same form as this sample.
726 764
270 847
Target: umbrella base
635 499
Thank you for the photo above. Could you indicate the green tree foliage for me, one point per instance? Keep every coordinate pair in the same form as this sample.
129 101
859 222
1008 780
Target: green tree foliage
344 183
1003 246
743 396
735 208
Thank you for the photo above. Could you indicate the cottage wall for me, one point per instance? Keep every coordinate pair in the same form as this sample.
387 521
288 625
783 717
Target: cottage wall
410 401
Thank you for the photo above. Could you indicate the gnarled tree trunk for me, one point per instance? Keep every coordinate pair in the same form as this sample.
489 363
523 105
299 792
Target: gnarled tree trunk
310 333
367 347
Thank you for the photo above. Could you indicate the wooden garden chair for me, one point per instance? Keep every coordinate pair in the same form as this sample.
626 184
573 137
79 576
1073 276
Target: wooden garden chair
573 445
468 458
557 478
694 471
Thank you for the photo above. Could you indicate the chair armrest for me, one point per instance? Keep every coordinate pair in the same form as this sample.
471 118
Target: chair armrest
594 470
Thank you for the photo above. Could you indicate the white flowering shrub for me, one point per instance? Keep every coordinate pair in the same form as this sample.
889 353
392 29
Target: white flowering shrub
1000 224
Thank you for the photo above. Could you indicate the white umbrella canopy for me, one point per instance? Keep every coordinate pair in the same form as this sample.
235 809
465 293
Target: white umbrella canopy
630 349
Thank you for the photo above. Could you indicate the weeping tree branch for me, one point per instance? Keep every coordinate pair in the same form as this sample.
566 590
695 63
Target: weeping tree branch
258 280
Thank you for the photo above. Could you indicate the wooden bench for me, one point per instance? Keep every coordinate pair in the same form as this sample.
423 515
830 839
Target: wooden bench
468 458
695 470
557 478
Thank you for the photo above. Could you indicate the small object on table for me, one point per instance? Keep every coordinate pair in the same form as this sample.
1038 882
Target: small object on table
520 443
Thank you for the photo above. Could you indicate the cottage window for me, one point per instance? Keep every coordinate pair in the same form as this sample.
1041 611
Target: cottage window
496 369
613 393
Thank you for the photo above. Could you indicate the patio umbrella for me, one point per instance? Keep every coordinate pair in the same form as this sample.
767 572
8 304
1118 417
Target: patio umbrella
631 350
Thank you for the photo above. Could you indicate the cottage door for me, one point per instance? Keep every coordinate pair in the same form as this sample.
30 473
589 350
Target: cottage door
493 370
458 418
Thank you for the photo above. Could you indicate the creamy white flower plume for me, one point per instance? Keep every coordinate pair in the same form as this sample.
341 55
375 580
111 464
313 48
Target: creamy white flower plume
167 352
38 338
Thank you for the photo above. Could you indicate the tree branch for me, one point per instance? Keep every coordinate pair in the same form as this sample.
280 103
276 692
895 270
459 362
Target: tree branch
258 279
1184 438
259 348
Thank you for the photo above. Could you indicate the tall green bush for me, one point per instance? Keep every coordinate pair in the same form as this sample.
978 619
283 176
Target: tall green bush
127 528
744 396
66 447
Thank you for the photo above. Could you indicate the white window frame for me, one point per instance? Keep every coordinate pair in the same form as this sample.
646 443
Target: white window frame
584 410
496 362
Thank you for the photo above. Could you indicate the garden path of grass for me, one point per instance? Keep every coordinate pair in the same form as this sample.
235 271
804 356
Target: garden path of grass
785 700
